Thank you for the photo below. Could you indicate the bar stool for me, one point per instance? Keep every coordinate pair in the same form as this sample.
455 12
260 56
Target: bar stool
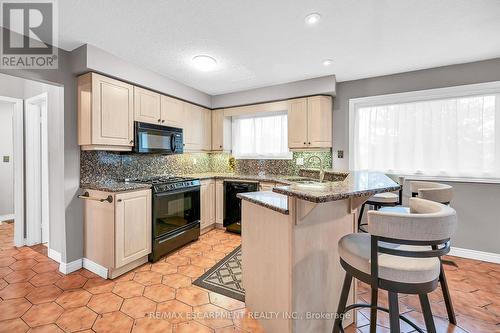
400 255
386 199
443 194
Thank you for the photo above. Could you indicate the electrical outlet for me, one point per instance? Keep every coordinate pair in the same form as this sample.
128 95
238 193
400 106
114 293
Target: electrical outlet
340 154
300 161
194 161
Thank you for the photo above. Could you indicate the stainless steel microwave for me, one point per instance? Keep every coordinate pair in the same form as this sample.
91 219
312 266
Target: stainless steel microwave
150 138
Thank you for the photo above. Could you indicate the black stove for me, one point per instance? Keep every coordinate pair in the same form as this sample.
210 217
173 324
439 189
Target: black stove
176 212
166 183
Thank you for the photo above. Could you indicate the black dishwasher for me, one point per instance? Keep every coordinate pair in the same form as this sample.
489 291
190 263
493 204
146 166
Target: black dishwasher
232 204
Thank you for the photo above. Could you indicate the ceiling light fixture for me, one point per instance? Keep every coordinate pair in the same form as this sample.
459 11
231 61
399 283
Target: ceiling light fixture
327 62
313 18
204 63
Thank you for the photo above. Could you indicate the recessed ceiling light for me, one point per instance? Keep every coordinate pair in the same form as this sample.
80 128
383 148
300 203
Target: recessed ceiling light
204 63
313 18
327 62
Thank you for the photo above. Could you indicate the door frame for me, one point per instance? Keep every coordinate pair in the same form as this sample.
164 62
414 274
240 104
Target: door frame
37 228
18 160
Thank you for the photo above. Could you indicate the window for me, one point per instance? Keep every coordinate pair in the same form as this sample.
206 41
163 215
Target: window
451 132
261 136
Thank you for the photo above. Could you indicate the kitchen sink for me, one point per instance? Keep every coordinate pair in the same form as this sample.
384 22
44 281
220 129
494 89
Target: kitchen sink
310 185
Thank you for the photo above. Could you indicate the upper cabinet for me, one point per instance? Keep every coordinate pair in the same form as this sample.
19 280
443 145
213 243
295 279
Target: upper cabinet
172 112
147 106
221 131
206 120
310 122
105 113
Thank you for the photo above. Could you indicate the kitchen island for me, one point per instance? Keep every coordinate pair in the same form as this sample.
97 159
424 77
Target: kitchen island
291 270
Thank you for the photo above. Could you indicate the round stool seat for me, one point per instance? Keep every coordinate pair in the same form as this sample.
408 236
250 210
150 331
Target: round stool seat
386 197
355 250
396 209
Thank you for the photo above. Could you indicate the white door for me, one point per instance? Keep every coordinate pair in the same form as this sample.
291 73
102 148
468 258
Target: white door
36 162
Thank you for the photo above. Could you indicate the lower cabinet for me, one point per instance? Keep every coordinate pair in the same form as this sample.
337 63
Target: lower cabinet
117 233
219 203
207 205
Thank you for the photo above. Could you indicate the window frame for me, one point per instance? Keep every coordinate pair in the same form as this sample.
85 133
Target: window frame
469 90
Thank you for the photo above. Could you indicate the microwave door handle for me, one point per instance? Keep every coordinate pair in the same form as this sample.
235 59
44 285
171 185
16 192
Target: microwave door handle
172 143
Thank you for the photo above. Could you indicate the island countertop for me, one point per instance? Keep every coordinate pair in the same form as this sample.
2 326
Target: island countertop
355 184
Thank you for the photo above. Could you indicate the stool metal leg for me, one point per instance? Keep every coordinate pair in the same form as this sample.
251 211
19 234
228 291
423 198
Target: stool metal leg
342 301
394 312
447 297
373 311
426 310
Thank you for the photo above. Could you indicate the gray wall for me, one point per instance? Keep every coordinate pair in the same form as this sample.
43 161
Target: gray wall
6 149
320 85
476 204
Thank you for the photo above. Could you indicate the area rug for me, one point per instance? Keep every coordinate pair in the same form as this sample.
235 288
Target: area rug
225 277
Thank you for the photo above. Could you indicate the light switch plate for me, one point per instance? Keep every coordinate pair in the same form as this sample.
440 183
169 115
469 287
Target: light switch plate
340 154
6 159
300 161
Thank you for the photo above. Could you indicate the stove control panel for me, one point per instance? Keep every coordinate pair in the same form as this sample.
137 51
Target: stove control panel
175 186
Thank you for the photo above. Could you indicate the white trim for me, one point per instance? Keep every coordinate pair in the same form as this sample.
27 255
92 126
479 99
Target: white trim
7 217
18 129
54 255
95 268
70 267
477 255
37 175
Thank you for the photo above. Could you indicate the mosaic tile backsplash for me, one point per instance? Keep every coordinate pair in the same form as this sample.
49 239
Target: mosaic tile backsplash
96 166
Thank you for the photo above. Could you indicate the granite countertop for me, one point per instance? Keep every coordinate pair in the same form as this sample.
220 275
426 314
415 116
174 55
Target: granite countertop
355 184
283 179
271 200
113 186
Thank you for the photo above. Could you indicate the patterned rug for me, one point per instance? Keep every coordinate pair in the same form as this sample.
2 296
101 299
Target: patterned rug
225 277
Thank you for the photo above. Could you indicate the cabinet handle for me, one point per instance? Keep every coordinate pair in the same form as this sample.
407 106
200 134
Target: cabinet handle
131 142
119 200
305 142
162 121
309 143
220 146
87 196
159 120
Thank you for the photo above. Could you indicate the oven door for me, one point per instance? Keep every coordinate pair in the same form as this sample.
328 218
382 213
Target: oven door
151 138
174 210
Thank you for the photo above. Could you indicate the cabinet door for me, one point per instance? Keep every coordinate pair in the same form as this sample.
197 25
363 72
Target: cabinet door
219 202
112 112
206 129
192 127
146 106
217 128
207 194
297 123
172 112
319 122
132 226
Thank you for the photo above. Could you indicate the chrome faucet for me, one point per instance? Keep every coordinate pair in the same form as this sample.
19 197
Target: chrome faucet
321 171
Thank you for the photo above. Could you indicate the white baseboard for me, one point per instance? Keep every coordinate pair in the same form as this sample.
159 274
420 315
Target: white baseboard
95 268
477 255
70 267
54 255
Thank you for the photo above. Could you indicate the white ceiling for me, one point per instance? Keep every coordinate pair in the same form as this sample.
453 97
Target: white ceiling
264 42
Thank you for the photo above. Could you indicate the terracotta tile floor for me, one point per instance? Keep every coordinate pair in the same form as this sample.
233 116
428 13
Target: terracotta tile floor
35 297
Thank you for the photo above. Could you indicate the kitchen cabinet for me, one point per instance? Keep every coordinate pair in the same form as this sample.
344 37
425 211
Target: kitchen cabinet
172 112
207 194
147 106
105 113
266 186
221 131
310 122
206 143
117 234
219 203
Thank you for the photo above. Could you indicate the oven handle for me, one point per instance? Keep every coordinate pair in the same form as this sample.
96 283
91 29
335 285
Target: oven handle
173 236
190 189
